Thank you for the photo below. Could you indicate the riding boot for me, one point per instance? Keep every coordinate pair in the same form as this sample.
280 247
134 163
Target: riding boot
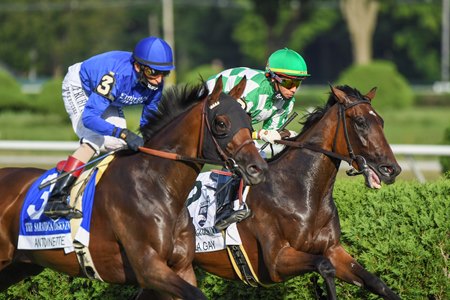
227 192
57 204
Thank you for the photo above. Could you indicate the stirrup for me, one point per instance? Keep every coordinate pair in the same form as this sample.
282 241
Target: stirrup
57 209
235 217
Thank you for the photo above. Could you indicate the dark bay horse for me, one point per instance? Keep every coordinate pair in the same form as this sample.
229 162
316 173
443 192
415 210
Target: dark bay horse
141 233
295 226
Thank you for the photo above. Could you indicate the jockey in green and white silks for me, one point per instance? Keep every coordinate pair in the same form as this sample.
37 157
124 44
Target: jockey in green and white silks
269 95
268 98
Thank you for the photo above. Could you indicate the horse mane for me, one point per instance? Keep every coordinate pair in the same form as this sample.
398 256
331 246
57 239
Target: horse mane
175 101
317 114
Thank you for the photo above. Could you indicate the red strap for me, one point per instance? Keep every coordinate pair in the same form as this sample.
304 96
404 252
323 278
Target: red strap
73 164
60 165
221 172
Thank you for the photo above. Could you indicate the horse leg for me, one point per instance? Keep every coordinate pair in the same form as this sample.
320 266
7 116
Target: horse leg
151 294
16 272
318 291
144 294
290 262
349 270
162 278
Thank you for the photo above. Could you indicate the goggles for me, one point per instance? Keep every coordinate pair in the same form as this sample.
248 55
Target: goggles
290 83
286 82
152 73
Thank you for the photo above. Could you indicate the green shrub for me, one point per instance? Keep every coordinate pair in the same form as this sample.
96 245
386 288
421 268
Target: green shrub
49 100
11 96
393 90
445 160
400 233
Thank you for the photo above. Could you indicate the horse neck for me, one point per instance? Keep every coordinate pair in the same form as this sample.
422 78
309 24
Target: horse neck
311 169
182 135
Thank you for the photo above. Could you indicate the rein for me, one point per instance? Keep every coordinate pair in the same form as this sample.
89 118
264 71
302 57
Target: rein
175 156
360 160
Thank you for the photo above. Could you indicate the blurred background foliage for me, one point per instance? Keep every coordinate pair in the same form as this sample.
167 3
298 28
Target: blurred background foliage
41 39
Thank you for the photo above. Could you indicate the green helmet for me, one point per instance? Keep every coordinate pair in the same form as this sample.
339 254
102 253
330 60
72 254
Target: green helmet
287 62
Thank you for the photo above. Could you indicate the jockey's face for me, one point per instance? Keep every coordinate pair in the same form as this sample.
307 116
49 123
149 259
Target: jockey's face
153 77
287 86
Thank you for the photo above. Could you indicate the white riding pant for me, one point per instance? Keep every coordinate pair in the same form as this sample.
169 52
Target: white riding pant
75 99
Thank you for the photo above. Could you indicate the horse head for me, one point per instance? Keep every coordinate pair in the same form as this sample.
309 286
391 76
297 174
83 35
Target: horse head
207 128
228 133
361 133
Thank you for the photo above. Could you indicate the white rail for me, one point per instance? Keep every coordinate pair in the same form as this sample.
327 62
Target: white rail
408 151
38 145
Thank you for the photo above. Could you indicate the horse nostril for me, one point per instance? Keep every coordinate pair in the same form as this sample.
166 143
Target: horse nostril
386 170
253 170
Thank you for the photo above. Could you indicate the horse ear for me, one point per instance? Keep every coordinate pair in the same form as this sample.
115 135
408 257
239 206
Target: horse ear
237 91
217 90
371 94
340 96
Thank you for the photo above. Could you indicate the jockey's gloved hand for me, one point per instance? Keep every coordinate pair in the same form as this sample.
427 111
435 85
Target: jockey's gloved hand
292 133
269 135
288 133
133 140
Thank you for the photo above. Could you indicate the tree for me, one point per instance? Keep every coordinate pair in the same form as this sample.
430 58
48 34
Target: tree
361 19
410 35
270 25
50 36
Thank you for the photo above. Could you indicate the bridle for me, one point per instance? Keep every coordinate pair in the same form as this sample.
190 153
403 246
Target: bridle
359 159
224 159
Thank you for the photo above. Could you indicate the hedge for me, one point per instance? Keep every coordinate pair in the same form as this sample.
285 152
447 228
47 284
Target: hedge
445 160
393 89
11 97
400 232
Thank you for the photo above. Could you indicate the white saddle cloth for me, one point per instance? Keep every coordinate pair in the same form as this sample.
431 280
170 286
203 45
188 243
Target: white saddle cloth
201 204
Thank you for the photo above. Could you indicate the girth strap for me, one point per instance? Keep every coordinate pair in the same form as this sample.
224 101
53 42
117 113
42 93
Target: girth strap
242 266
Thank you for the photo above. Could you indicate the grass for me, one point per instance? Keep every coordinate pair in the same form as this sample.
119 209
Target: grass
417 125
32 126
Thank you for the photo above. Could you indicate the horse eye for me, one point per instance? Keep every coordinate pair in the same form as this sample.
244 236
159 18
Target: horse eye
221 126
361 123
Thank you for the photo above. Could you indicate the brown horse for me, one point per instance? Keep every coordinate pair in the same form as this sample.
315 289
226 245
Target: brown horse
295 226
140 231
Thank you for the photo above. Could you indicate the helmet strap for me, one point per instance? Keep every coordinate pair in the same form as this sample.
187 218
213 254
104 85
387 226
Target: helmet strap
275 80
277 95
143 80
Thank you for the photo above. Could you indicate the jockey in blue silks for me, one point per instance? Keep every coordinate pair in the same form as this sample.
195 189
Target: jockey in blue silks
94 92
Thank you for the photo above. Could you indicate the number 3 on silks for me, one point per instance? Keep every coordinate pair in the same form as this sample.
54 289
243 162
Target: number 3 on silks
106 85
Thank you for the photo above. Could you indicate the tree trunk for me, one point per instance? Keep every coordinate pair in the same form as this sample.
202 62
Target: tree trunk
361 19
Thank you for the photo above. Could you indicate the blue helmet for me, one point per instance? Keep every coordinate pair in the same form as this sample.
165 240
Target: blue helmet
154 53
